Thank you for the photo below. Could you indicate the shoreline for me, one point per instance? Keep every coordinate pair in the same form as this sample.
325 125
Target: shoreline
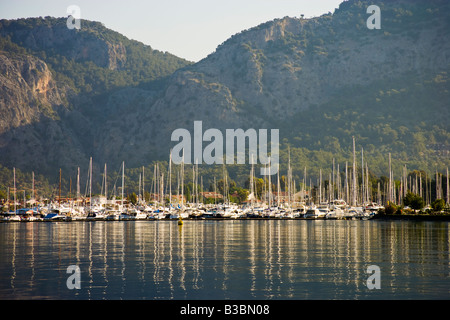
413 217
402 217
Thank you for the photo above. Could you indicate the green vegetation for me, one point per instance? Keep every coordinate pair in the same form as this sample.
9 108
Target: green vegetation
383 118
438 205
132 198
414 201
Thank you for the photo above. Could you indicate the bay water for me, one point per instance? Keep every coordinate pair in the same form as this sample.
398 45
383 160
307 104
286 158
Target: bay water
227 259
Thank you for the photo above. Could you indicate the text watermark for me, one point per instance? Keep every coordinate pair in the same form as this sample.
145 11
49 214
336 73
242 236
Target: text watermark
213 153
74 19
74 280
374 21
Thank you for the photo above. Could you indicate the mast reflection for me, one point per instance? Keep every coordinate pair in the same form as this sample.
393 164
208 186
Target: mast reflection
271 259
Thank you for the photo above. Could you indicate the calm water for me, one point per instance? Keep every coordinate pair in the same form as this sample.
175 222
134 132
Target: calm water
294 259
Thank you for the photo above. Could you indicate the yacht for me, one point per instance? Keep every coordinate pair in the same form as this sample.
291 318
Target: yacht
353 213
56 216
373 207
133 214
11 217
157 214
96 215
225 212
112 215
140 215
323 210
335 213
76 216
311 213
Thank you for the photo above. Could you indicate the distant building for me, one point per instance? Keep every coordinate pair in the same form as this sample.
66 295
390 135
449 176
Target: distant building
211 195
178 199
174 199
284 197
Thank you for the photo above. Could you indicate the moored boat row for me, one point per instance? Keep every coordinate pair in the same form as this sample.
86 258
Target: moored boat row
54 213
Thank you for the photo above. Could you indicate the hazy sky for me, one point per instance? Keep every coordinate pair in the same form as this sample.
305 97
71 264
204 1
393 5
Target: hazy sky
190 29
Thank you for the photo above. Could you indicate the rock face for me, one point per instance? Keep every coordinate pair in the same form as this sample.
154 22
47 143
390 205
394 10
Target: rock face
259 78
31 105
27 82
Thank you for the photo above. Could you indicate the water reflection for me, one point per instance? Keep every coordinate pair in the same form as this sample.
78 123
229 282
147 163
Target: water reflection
225 259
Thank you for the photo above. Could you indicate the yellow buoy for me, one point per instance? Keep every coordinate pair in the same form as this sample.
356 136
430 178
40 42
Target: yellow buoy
180 222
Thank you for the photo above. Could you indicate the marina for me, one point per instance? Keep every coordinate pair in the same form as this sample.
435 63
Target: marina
54 213
352 198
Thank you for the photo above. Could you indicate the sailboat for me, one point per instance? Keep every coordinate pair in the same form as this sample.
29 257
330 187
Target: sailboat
112 214
55 213
95 212
77 211
12 216
125 214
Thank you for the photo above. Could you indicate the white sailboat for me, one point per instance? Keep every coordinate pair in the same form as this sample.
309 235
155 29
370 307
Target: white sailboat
311 213
124 212
95 212
12 216
57 212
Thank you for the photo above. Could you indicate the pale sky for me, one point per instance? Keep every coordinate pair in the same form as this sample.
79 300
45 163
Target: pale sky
190 29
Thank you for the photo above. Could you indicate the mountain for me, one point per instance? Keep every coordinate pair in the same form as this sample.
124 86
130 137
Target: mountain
322 81
67 95
57 85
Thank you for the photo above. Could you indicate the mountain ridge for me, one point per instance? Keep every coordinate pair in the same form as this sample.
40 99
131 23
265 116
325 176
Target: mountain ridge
308 77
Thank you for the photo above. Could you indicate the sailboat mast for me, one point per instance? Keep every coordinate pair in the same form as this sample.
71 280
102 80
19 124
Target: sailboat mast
170 178
14 173
143 185
289 178
338 182
123 182
154 182
320 186
354 175
193 183
368 191
59 188
330 187
346 183
33 184
106 185
333 182
78 183
90 183
251 184
215 192
304 187
447 189
270 188
196 182
182 180
362 178
278 186
140 182
390 180
161 188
